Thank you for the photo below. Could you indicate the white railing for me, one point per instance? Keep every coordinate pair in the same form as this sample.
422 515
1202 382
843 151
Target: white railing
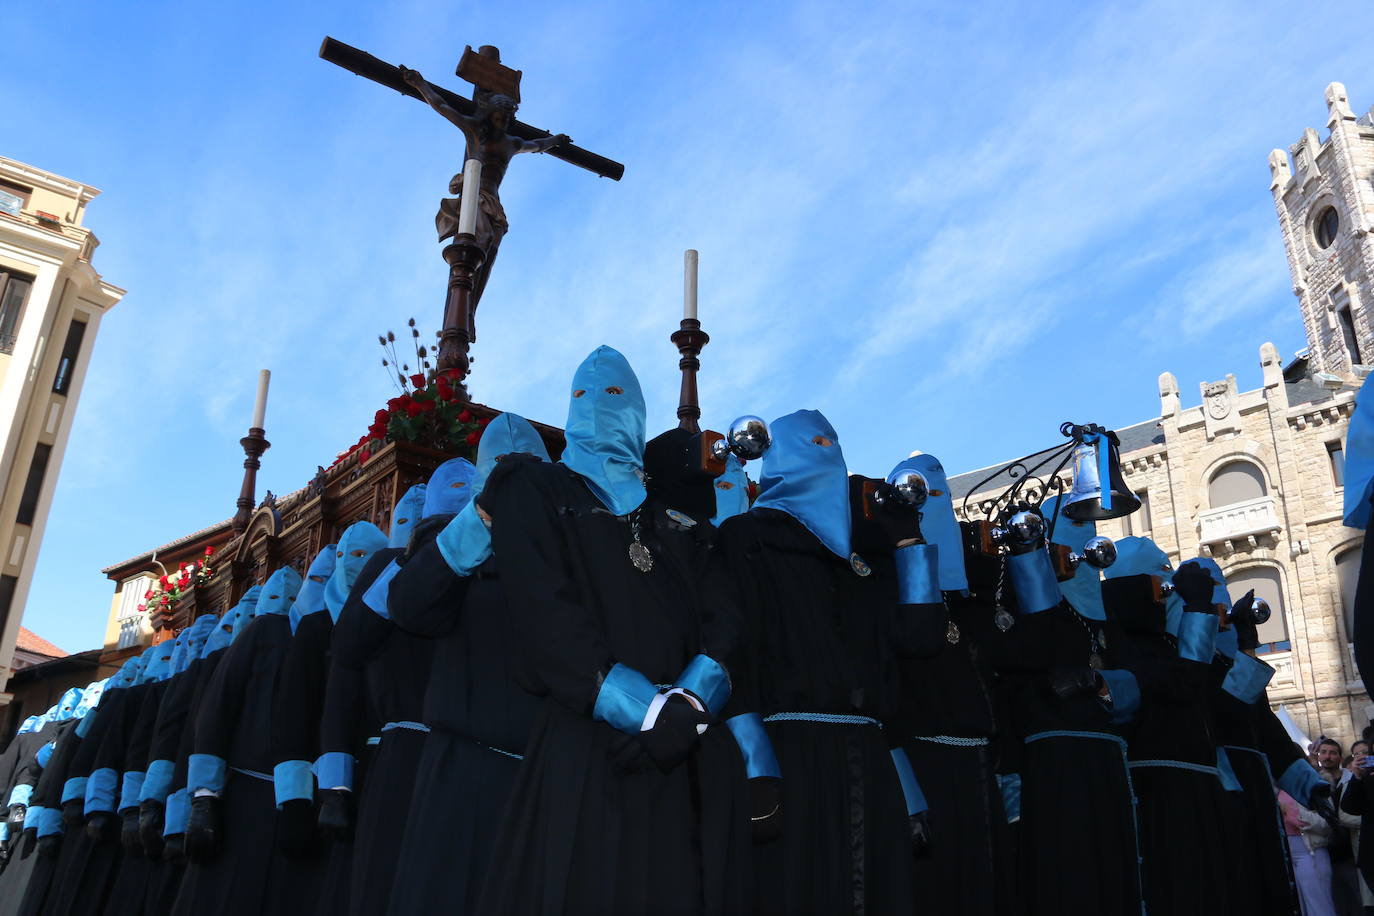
131 630
1282 663
1239 520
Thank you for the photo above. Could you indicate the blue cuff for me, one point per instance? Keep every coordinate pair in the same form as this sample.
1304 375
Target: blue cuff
4 831
73 789
178 813
1227 643
708 680
915 798
131 790
624 698
918 574
1299 780
157 785
47 822
100 790
1125 694
375 596
465 542
206 771
20 795
1033 578
293 781
44 754
1010 784
335 771
1247 678
1229 782
1197 636
759 759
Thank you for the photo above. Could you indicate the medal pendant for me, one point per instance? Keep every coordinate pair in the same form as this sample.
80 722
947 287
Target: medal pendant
952 633
857 564
1003 619
640 556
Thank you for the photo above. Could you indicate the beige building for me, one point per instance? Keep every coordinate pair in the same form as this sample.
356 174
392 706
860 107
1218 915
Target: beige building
51 303
1254 479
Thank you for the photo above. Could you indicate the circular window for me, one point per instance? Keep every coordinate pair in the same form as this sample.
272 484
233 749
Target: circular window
1325 228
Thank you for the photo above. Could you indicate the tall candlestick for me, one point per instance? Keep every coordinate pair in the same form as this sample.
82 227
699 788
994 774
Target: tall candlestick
472 194
260 407
689 280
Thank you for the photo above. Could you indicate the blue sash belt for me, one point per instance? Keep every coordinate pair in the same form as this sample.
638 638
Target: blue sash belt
951 740
1176 765
408 726
265 777
825 718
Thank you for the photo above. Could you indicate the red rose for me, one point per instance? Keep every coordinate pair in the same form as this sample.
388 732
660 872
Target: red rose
148 595
397 403
377 431
426 406
209 551
181 565
474 437
363 456
464 416
162 581
414 409
441 385
380 417
142 607
484 422
418 381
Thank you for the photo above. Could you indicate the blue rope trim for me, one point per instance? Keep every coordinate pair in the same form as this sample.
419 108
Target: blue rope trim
409 726
828 718
265 777
497 750
951 740
1130 787
374 741
1175 765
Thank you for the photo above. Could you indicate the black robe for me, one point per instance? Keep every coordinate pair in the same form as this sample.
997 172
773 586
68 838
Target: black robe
581 834
824 639
480 719
233 722
25 884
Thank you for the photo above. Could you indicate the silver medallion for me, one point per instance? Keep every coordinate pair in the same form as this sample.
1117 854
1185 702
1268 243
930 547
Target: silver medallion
952 633
681 518
640 557
857 564
1003 619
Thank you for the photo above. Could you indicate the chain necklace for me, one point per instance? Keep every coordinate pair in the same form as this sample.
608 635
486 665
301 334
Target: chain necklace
1003 617
640 556
1097 644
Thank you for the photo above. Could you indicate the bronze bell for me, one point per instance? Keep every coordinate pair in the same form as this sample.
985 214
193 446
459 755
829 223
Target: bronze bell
1095 453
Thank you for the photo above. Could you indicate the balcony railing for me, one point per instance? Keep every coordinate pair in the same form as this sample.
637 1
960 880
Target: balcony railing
131 630
1239 521
1282 663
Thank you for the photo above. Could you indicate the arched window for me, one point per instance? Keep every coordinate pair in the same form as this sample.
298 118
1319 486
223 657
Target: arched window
1273 635
1347 575
1235 482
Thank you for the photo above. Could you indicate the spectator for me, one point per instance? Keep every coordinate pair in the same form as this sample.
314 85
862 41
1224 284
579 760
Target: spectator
1329 758
1347 888
1357 798
1308 834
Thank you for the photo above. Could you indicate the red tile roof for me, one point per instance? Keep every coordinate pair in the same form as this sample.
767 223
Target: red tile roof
30 641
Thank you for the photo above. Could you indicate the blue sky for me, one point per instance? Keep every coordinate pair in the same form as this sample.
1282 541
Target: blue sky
949 227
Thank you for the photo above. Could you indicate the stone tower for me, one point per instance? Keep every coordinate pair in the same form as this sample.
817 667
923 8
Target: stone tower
1325 203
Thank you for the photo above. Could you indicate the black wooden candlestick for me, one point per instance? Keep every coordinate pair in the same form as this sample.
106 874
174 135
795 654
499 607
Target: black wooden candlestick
689 340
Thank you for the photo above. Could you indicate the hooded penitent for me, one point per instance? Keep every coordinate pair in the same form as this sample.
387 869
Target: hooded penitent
196 636
804 475
406 515
90 698
310 599
732 492
938 524
67 704
1359 460
1128 591
243 611
1084 590
279 592
449 488
675 477
465 542
360 541
1220 596
606 429
219 637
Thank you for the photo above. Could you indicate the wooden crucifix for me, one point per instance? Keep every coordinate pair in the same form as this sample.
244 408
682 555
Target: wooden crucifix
476 220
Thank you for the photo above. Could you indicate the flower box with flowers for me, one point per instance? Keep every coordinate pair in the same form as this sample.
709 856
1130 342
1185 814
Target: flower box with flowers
173 597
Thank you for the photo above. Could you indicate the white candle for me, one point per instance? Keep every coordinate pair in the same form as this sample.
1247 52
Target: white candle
689 289
472 194
260 407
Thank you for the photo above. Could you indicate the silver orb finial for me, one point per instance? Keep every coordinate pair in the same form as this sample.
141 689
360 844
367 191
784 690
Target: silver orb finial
909 487
1024 528
747 439
1261 610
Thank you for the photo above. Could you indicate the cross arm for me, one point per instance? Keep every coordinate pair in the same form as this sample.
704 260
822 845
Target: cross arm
379 71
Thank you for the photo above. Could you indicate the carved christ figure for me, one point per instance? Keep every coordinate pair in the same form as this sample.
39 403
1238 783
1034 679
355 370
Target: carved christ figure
489 143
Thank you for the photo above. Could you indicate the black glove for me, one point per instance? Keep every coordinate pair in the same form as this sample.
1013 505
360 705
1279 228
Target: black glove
128 833
296 829
1243 619
765 808
15 816
336 814
74 812
49 846
1320 804
674 733
920 833
101 826
150 823
1068 683
174 849
1195 586
204 829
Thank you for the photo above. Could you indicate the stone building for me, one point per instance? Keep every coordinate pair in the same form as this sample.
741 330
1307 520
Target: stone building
1254 479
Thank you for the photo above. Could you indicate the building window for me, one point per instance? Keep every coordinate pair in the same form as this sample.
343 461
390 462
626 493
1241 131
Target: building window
1335 451
1236 482
1347 576
13 197
14 292
1273 633
1138 522
1325 228
1347 323
33 486
70 351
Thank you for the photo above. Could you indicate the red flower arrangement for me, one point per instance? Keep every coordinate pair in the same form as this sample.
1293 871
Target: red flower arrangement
171 588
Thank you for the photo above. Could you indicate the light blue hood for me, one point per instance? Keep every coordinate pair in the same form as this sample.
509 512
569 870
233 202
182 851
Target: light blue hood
406 515
606 430
450 486
938 524
1084 590
278 593
243 611
310 599
804 475
732 492
359 542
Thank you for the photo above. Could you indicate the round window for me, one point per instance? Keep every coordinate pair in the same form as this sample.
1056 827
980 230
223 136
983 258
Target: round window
1327 225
